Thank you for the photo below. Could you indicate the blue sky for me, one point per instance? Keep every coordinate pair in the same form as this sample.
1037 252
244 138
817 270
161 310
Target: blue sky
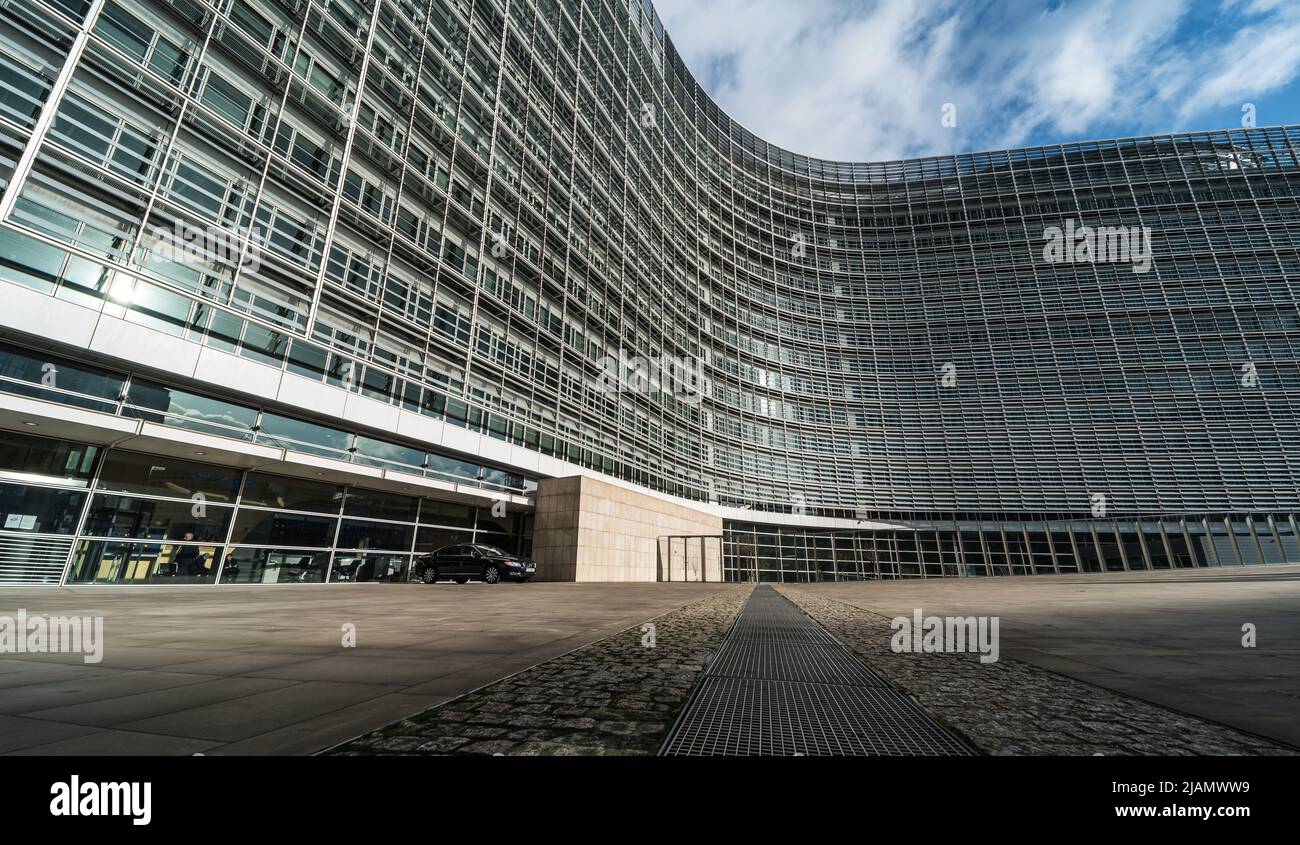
868 80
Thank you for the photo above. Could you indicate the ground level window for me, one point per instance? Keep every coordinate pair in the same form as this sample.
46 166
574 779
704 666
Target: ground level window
114 562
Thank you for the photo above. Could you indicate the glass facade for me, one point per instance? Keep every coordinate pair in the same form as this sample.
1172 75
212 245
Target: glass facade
130 518
462 207
756 552
23 372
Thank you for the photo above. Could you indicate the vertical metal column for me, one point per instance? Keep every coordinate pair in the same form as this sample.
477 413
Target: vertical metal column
23 167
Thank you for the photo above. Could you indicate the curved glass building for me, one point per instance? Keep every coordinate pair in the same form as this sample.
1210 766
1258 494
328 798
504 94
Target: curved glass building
305 288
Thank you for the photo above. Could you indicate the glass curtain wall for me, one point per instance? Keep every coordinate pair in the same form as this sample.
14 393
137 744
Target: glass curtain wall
130 518
755 552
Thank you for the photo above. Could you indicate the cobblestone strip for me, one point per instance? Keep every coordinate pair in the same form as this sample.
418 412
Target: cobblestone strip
1015 708
615 696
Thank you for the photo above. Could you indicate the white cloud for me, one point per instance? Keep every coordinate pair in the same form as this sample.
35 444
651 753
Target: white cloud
1259 58
867 81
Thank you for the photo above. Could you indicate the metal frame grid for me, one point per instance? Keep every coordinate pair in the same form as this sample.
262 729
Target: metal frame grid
782 686
523 186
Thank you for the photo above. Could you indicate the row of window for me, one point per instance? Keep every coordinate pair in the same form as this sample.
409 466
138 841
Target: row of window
152 519
30 373
767 553
593 206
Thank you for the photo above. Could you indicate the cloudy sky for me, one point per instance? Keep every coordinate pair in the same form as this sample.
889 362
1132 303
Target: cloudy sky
868 80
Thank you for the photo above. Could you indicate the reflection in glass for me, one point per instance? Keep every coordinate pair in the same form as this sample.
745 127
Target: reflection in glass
1268 544
39 510
1223 546
502 543
431 539
156 519
274 566
446 513
301 436
358 568
504 525
129 472
1200 549
358 534
168 406
379 453
450 467
292 494
56 379
59 461
269 528
1250 554
377 505
113 562
1290 542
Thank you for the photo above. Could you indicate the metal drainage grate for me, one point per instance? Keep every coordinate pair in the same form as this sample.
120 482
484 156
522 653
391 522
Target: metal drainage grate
780 632
781 685
813 663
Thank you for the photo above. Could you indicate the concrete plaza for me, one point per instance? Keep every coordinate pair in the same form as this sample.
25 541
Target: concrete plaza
1171 638
261 670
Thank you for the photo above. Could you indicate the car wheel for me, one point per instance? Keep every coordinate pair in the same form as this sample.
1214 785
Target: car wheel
429 575
492 573
461 580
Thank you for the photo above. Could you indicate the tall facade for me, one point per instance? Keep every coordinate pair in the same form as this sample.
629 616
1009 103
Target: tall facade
452 248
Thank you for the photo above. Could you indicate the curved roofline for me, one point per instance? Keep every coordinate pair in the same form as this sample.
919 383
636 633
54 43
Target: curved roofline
845 163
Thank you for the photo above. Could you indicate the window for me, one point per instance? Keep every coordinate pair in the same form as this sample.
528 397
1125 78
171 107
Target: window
269 528
28 509
377 505
304 436
274 566
227 100
57 461
359 534
272 491
129 472
22 91
156 519
111 562
358 568
168 406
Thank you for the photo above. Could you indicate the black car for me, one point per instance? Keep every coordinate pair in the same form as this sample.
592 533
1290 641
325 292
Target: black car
463 562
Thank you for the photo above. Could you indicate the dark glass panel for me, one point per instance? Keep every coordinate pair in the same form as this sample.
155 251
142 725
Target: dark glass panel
157 519
274 566
130 472
268 528
358 568
117 562
58 461
291 494
380 505
359 534
39 510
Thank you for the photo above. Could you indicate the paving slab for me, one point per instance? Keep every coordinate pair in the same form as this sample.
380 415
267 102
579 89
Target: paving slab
17 732
617 696
264 670
1174 639
106 712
